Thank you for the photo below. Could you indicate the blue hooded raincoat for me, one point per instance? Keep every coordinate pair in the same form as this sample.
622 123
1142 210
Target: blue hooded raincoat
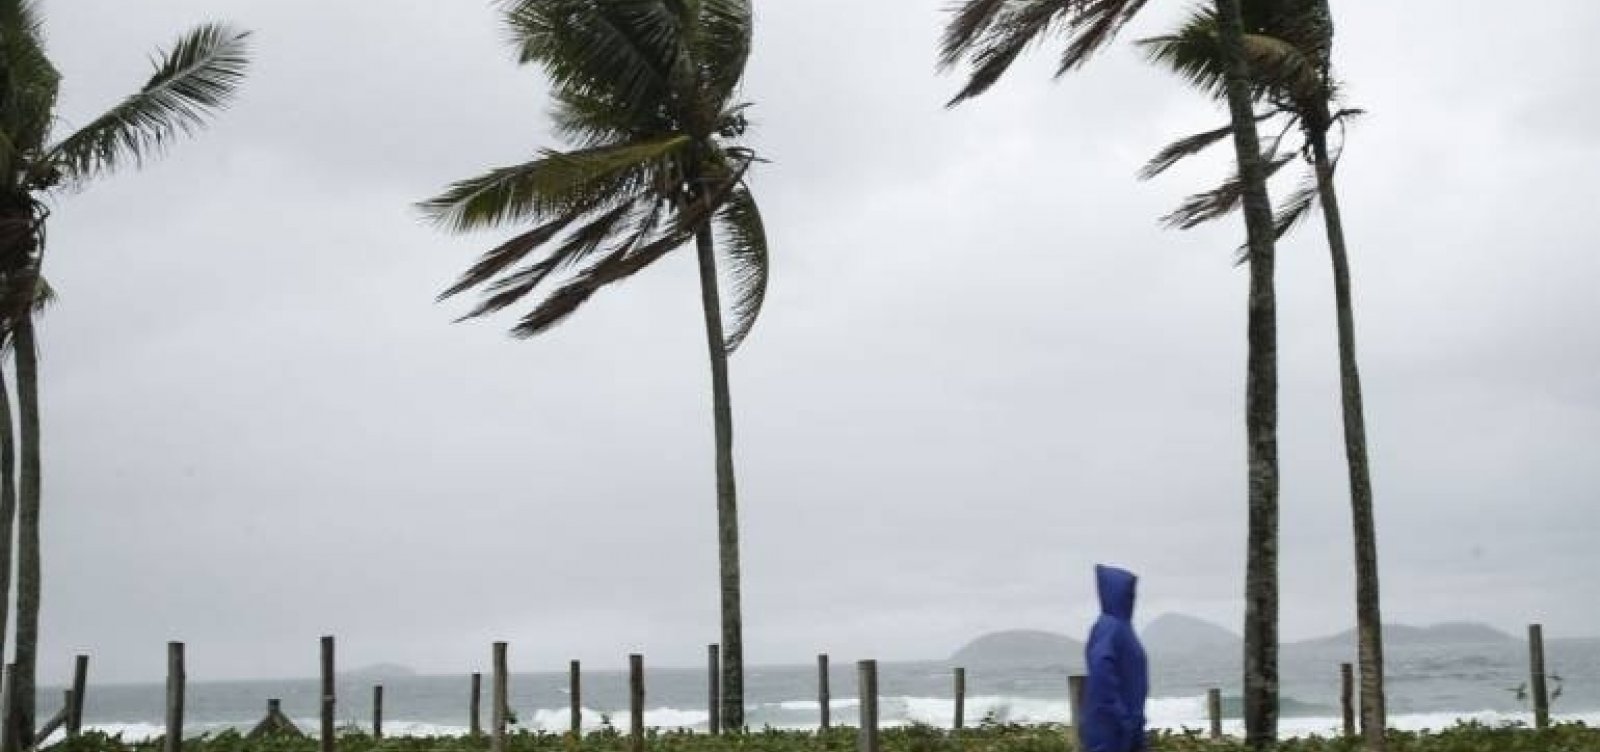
1119 678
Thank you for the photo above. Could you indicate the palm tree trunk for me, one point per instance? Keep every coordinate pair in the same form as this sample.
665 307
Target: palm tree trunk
727 498
28 533
8 515
1369 619
1261 400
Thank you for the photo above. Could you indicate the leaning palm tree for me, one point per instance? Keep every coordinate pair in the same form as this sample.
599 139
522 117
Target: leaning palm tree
989 35
192 79
645 96
1290 42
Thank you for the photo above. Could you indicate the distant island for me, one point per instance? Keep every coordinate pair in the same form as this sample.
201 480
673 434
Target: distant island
380 671
1181 635
1020 647
1449 633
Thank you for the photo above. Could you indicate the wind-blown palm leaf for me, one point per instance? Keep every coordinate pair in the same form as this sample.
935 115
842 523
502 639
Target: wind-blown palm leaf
744 243
623 50
1182 149
1298 205
197 77
1279 68
991 34
613 268
579 245
1201 208
556 183
28 87
721 48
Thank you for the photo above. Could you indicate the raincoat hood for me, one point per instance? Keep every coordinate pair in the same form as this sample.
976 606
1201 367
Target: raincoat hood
1116 588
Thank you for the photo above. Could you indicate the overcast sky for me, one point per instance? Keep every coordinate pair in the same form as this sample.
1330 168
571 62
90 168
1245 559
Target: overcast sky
983 365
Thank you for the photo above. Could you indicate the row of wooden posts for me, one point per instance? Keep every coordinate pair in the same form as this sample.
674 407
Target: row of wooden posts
71 715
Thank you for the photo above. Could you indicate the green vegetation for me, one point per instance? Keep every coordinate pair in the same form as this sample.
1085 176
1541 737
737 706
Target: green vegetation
987 738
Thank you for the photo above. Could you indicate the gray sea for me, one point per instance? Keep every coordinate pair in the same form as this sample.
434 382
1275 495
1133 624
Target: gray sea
1428 686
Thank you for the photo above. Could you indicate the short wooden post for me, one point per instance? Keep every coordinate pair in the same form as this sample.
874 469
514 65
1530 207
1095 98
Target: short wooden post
8 730
80 685
326 742
824 705
575 696
868 686
1075 699
961 699
175 681
1214 709
497 707
636 702
714 688
1541 695
1347 684
377 711
474 719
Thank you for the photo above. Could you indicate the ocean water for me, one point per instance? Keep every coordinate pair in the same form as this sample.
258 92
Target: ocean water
1428 686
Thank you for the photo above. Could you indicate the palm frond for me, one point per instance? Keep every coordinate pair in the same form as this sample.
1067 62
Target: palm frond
1096 24
625 51
577 246
744 244
30 83
721 48
1298 205
973 21
507 254
617 266
629 259
1279 67
1201 208
196 78
1181 149
990 36
556 183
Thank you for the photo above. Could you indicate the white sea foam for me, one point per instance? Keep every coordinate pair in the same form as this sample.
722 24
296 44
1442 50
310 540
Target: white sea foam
1169 713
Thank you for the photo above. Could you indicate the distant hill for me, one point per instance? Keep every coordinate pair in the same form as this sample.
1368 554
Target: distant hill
1450 633
1177 634
1021 647
380 671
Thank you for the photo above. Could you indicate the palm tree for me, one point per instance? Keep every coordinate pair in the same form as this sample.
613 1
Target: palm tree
8 480
990 35
193 79
1291 44
645 95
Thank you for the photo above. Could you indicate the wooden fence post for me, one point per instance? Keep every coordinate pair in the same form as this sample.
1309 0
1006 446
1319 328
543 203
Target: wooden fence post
326 742
575 696
824 704
1214 710
714 688
1347 683
80 685
474 719
868 688
497 706
636 702
1541 695
175 681
961 699
1075 700
377 711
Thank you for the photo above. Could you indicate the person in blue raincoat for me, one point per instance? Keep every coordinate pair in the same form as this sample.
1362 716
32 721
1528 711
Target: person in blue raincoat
1118 674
